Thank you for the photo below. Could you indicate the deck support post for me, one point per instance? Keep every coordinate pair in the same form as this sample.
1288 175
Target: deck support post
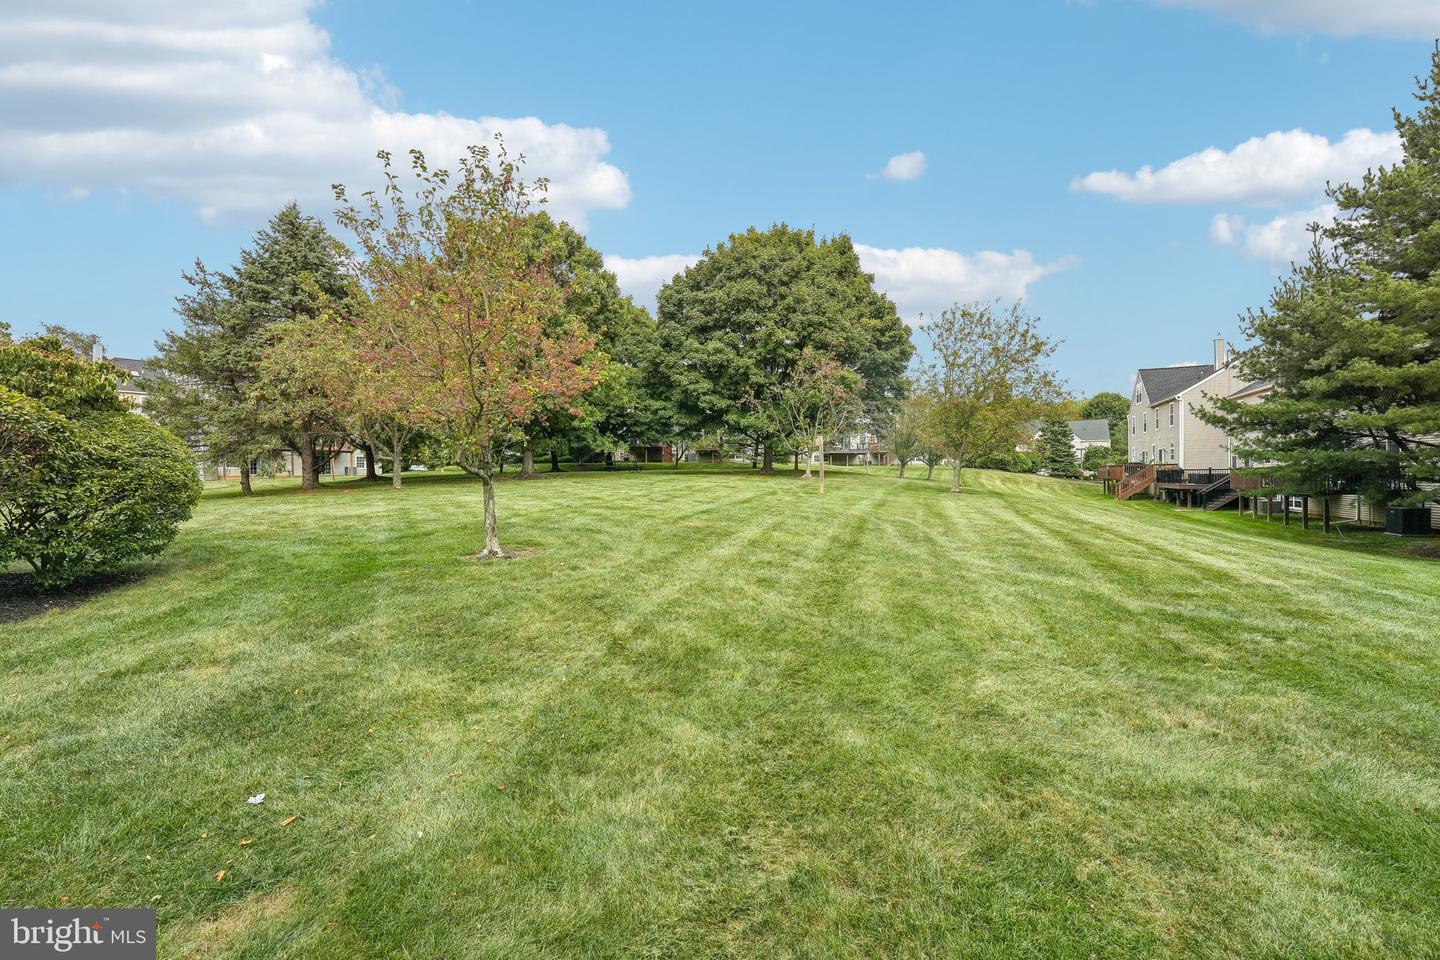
1325 514
1305 512
1285 508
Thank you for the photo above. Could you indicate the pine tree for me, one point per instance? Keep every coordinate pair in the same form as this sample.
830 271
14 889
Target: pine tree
1057 450
1351 339
209 386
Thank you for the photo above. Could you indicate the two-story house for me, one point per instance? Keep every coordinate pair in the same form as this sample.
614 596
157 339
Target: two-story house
1164 425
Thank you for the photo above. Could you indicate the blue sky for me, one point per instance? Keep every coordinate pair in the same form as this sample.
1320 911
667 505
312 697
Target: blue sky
141 135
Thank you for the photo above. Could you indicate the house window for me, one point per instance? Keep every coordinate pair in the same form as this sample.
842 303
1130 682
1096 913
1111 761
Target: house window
325 466
1132 424
1145 423
1172 453
1153 455
1172 413
359 461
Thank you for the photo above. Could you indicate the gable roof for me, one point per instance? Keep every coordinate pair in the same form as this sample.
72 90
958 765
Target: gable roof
1163 383
1087 431
1255 386
131 369
1090 431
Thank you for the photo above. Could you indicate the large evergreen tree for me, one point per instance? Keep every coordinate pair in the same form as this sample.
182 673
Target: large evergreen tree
292 273
1351 340
209 384
732 329
200 382
1057 449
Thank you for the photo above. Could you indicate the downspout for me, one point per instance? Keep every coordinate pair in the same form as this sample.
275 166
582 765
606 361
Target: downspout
1180 402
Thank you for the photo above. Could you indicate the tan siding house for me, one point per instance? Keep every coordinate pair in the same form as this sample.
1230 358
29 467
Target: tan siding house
1164 426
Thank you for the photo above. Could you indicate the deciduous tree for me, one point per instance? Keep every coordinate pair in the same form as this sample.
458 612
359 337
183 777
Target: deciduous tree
989 379
733 326
903 429
1112 407
452 268
822 400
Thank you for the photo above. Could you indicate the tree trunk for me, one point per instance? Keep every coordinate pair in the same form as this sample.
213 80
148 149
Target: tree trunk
796 464
955 484
308 468
245 478
929 470
554 460
902 469
492 526
768 464
820 443
370 474
527 461
395 471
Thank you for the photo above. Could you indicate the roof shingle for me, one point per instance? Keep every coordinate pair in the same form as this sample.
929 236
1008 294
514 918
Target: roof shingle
1163 383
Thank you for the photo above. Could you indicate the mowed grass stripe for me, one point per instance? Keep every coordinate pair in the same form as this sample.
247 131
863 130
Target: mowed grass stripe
715 714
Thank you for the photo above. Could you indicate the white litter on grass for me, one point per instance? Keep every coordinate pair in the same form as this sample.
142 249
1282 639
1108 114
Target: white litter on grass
258 798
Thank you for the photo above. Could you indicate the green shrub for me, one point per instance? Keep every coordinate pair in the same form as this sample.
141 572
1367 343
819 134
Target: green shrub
84 484
1097 457
1013 461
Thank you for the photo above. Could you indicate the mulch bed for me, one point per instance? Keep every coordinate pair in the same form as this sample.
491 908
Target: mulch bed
1431 550
19 600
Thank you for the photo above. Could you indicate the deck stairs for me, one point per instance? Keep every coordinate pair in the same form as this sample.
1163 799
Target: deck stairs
1219 494
1136 482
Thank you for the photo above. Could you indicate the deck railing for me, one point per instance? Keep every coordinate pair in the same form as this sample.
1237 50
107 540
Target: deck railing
1135 482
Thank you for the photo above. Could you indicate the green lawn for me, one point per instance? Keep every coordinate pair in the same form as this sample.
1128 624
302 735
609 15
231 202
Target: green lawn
712 714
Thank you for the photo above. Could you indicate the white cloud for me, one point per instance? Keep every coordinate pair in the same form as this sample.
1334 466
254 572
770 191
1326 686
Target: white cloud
234 108
1417 19
1277 242
1262 170
1225 228
902 166
642 277
928 279
918 279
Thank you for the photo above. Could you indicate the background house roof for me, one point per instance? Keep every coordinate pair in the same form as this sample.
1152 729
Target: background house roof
130 368
1091 431
1088 431
1162 383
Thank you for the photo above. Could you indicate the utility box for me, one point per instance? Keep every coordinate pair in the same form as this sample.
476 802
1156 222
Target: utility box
1407 521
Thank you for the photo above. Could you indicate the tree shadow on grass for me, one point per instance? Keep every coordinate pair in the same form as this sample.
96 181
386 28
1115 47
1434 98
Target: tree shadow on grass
20 599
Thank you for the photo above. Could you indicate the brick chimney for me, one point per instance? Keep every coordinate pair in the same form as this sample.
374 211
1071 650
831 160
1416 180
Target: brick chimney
1220 356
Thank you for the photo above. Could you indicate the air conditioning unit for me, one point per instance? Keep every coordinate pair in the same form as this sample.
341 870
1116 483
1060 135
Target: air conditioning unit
1407 521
